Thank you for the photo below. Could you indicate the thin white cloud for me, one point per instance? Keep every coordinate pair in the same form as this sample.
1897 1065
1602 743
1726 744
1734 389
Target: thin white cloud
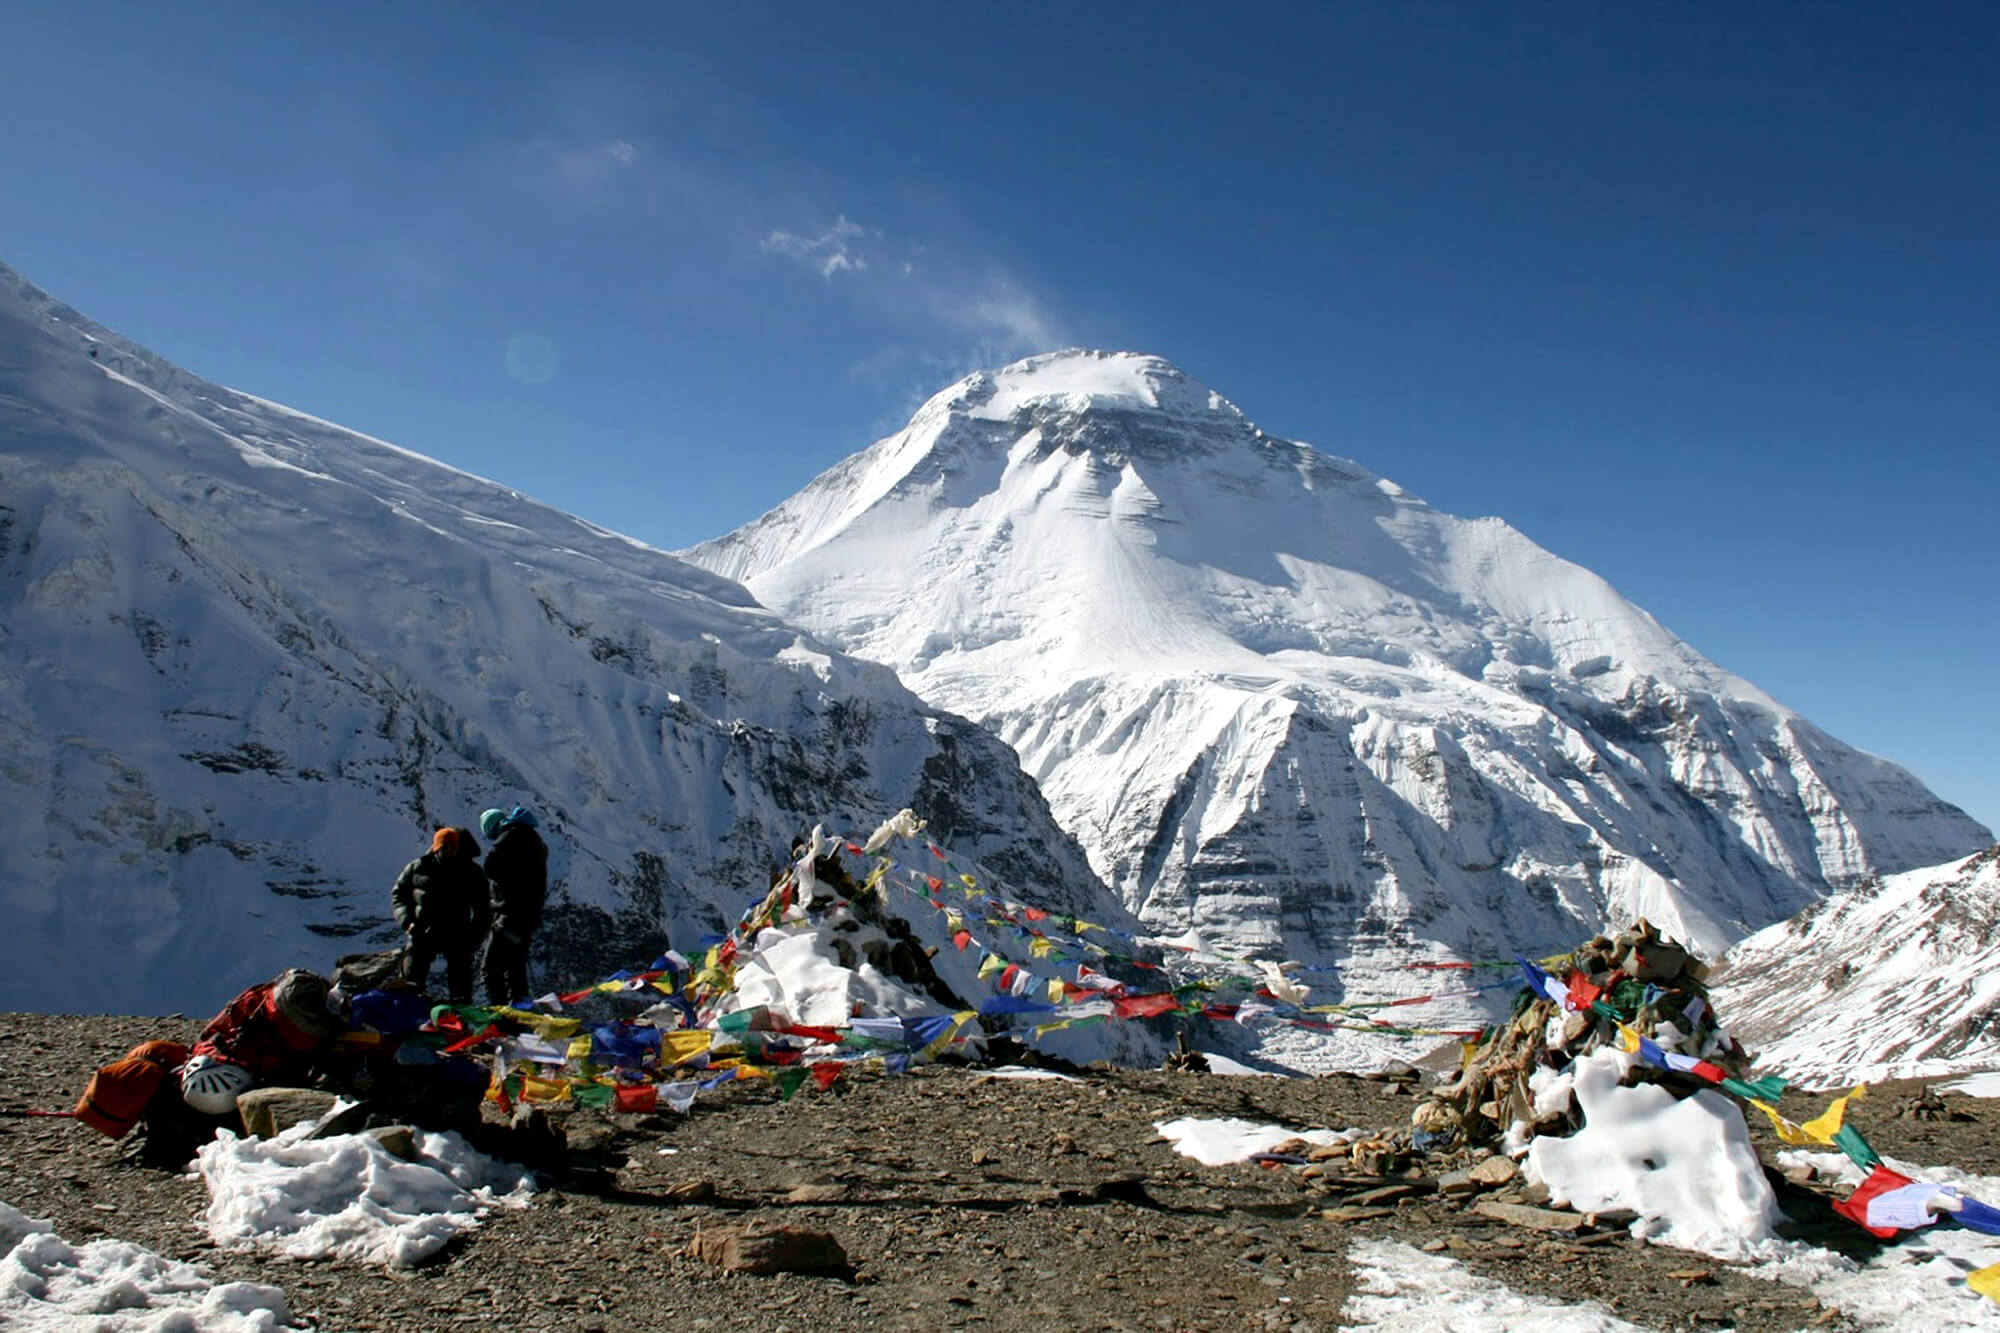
963 313
835 250
582 168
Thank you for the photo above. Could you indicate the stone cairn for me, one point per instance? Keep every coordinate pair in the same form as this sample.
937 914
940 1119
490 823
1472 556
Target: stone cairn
1654 986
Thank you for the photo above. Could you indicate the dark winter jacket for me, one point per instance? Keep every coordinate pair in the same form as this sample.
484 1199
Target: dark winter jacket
444 898
518 866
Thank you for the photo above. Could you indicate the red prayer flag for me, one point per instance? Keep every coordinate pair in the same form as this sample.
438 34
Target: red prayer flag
475 1039
1582 990
1145 1006
1855 1206
639 1099
962 938
825 1074
934 882
1034 914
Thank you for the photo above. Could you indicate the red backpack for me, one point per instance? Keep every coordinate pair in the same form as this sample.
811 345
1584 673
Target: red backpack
118 1094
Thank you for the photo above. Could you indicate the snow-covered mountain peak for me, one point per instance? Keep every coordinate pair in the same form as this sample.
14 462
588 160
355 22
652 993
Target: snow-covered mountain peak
1078 380
1284 703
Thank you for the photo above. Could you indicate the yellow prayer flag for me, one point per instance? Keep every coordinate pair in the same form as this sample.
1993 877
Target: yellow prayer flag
968 881
544 1025
1056 990
543 1089
1786 1130
678 1046
1985 1281
1040 946
1043 1029
992 963
579 1047
1826 1124
1628 1040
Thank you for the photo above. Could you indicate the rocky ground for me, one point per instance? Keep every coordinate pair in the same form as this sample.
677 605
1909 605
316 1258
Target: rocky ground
961 1202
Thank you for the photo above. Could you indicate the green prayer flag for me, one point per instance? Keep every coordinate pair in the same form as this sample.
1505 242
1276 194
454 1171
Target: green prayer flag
1849 1141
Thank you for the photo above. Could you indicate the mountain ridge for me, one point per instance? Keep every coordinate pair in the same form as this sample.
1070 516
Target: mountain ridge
248 658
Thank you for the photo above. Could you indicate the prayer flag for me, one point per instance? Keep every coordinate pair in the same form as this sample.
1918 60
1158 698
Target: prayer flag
1787 1131
1906 1207
1976 1216
638 1099
1855 1206
1985 1281
1542 984
1146 1006
1828 1122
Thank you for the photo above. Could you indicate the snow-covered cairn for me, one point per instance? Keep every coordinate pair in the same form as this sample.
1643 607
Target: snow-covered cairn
1636 991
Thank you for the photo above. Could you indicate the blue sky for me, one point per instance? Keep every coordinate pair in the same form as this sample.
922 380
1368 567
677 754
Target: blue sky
1706 298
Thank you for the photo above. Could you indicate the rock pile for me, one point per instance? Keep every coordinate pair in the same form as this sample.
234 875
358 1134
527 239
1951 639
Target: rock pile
1636 980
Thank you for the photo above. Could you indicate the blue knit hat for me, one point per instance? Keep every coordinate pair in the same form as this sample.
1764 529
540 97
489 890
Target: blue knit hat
490 822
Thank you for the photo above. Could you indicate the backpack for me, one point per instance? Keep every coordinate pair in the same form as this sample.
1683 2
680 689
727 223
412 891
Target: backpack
356 972
117 1095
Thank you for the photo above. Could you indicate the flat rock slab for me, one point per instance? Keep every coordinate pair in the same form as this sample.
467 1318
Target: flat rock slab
1525 1215
268 1112
759 1247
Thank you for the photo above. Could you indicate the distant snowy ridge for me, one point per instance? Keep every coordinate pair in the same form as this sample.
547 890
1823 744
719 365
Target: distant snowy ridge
1897 978
249 658
1288 708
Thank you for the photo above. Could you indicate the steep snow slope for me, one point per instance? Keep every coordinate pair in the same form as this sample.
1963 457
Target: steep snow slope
1897 978
249 658
1287 707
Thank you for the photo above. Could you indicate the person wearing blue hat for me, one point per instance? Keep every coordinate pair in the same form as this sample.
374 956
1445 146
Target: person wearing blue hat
517 867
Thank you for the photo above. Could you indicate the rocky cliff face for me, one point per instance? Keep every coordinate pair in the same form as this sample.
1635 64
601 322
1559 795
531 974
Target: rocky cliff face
1288 708
248 659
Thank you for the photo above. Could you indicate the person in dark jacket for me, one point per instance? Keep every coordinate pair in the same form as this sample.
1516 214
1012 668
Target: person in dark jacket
518 868
441 903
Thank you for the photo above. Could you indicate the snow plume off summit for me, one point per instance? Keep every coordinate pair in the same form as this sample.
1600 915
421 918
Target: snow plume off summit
1286 707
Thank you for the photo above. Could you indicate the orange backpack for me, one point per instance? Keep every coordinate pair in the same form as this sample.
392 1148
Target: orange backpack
118 1094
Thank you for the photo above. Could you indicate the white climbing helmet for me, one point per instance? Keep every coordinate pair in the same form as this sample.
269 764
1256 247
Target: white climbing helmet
211 1086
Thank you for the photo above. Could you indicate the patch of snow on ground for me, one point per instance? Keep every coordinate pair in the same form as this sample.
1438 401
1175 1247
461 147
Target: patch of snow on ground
1222 1064
1020 1071
1403 1290
348 1197
1220 1142
1687 1167
1978 1085
48 1285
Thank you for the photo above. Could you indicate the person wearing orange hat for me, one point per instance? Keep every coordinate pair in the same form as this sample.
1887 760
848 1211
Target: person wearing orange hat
440 901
